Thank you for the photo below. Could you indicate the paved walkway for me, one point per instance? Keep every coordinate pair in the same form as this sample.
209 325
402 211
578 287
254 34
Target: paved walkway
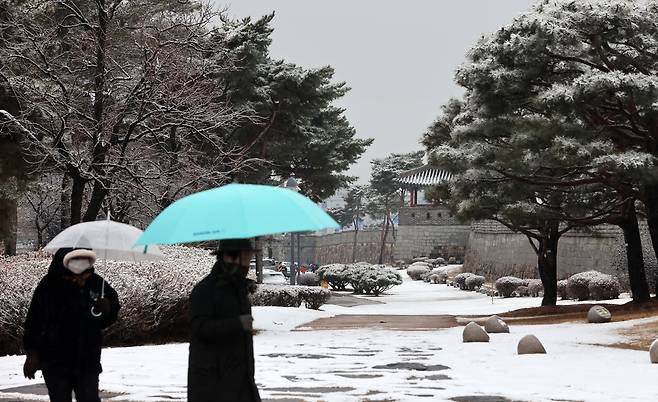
392 322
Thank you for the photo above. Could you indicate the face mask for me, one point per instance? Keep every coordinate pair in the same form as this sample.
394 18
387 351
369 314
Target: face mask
236 269
79 265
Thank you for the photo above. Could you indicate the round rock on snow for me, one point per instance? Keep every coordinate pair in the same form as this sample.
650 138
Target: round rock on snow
474 333
599 315
495 325
529 345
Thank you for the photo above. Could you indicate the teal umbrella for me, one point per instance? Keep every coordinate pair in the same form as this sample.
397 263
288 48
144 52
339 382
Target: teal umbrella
235 211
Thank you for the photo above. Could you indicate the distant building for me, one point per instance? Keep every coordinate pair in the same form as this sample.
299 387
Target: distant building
426 229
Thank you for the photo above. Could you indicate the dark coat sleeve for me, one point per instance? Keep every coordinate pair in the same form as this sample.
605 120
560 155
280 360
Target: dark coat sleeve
33 333
105 320
206 328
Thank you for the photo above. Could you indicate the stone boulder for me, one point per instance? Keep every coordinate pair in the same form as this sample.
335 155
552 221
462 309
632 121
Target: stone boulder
495 325
474 333
598 315
529 344
653 352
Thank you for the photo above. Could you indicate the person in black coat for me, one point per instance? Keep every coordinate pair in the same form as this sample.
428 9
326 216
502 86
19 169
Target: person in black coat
221 363
63 329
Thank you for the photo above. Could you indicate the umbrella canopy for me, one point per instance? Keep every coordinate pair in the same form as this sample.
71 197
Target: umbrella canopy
236 211
110 241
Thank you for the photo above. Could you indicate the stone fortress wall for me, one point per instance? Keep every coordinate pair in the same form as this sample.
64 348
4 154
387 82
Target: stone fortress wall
495 251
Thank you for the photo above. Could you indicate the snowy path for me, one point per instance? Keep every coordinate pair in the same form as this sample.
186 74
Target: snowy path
350 365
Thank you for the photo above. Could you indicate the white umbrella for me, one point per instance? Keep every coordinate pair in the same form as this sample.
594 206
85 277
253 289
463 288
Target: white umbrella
108 239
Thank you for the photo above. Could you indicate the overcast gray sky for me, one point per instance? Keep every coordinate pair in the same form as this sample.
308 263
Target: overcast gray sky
399 57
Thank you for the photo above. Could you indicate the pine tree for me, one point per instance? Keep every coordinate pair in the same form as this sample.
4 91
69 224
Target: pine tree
384 187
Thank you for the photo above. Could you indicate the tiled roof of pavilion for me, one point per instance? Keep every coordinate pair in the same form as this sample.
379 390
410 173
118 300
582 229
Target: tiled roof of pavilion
424 176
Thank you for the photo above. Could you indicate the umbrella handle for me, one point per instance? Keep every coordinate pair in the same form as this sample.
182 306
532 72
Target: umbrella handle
93 313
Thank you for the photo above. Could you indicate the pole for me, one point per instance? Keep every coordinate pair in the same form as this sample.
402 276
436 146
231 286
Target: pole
299 251
356 228
291 271
259 260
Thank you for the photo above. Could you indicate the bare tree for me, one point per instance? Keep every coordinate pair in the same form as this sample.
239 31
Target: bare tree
121 100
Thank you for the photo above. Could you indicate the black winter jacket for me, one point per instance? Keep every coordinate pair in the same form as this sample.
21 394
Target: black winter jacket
221 363
60 326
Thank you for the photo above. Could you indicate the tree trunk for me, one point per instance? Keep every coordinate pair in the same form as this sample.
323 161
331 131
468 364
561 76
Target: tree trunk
100 149
39 237
384 236
77 194
651 203
65 203
547 264
634 257
95 202
9 219
356 235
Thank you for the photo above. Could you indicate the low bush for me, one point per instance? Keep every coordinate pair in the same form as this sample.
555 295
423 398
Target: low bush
314 297
474 282
425 277
439 277
507 285
604 287
373 279
535 287
308 279
277 295
335 274
522 291
460 280
416 271
154 296
562 289
578 285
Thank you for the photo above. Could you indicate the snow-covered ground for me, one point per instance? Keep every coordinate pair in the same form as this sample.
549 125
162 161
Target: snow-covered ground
336 365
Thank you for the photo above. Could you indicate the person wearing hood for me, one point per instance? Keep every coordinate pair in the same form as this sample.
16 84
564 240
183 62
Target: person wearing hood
63 329
221 362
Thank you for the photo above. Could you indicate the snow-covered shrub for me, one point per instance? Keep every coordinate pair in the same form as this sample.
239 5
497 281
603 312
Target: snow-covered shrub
154 295
562 289
474 282
578 284
535 287
373 279
440 261
415 271
290 296
335 275
507 285
522 291
308 279
19 277
604 287
277 295
440 277
425 277
313 297
460 280
452 260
